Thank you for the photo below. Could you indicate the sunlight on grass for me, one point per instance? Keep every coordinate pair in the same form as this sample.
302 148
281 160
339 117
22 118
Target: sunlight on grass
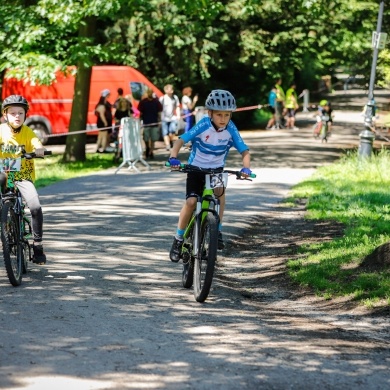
51 169
355 192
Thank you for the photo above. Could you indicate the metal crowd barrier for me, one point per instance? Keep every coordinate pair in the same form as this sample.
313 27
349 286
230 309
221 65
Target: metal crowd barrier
130 141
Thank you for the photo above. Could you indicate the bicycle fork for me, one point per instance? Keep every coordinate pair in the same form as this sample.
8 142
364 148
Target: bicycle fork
208 204
23 221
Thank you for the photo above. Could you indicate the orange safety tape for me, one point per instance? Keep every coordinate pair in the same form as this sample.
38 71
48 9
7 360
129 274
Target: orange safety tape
257 107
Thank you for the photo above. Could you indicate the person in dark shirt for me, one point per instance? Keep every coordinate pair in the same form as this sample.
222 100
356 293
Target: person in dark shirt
123 110
150 109
104 121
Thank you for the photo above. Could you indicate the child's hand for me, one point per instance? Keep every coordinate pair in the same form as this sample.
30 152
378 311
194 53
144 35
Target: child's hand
246 172
174 162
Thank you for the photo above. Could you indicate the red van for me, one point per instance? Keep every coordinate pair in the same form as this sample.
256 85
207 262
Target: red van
51 106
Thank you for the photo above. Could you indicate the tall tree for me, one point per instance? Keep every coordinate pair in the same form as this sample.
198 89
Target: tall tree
75 144
236 44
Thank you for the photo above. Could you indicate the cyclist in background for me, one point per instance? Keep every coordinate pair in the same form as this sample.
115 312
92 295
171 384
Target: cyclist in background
14 136
324 108
211 139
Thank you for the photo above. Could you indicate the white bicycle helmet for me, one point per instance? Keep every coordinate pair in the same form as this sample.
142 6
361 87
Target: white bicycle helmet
221 100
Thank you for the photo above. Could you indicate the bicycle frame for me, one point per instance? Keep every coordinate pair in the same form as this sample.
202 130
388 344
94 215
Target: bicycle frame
15 198
202 208
200 246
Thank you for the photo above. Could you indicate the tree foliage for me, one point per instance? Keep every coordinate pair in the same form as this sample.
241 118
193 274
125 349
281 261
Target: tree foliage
240 45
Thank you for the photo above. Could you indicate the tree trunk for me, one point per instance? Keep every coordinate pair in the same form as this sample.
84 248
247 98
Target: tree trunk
75 144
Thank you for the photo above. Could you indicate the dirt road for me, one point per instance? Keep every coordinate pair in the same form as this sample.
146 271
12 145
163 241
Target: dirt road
108 310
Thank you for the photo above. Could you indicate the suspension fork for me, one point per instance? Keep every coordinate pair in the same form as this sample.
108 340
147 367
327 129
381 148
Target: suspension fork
205 204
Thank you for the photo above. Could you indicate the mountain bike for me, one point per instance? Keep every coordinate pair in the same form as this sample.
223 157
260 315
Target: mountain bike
15 225
200 246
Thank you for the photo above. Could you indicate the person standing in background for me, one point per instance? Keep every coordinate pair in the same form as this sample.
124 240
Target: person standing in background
170 115
150 109
120 96
188 105
103 111
272 107
280 111
123 110
291 107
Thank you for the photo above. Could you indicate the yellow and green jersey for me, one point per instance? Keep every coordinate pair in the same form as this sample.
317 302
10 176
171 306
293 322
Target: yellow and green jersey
280 96
291 98
12 144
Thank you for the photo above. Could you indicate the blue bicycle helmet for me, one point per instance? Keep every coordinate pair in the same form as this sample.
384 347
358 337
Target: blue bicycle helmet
220 100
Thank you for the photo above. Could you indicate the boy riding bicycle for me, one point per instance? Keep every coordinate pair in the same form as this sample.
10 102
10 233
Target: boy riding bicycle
324 108
14 137
211 139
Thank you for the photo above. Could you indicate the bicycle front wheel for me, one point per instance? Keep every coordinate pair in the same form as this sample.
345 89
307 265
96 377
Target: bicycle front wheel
324 132
206 257
12 252
25 256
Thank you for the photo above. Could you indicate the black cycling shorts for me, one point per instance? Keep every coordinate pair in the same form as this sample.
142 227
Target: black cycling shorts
195 183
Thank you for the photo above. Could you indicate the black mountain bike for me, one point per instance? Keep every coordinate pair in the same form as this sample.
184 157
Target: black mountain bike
15 225
200 246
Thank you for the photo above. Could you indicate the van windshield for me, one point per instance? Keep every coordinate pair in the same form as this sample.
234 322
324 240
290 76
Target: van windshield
137 90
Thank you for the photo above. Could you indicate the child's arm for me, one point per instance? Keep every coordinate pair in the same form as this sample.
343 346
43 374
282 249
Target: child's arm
246 159
176 148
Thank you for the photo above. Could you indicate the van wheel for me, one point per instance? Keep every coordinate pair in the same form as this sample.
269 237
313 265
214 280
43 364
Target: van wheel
41 131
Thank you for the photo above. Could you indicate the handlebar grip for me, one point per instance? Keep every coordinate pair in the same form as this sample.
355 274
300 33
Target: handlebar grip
29 156
253 175
167 164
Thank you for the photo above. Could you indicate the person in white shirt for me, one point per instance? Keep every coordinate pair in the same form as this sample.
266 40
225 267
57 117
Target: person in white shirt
169 116
187 106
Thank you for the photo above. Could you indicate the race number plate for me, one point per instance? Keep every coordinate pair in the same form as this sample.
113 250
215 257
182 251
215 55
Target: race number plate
216 180
10 164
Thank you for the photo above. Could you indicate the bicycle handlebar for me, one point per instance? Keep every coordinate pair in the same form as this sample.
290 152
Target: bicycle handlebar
188 168
31 155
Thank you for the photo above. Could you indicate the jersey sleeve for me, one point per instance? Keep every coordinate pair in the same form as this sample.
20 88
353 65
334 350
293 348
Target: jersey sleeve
238 142
199 127
34 140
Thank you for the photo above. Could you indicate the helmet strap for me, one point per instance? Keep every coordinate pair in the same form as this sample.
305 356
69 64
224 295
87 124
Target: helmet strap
17 130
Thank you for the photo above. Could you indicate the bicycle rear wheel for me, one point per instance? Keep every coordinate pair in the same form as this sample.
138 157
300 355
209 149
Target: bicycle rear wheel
12 251
205 260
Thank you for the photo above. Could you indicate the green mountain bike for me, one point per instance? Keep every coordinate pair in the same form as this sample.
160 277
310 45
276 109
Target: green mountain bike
200 246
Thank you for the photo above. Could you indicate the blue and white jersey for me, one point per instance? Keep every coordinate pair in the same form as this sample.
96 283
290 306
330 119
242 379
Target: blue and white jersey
210 147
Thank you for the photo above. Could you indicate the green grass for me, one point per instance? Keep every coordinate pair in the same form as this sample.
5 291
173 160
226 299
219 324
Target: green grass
355 192
51 169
